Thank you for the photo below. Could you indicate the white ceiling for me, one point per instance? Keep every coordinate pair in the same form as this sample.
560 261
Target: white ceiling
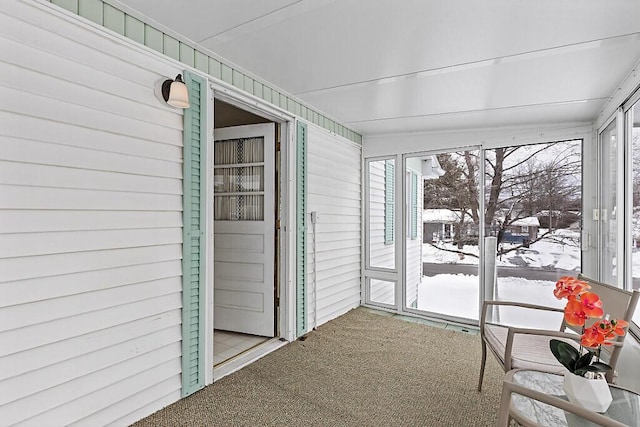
384 66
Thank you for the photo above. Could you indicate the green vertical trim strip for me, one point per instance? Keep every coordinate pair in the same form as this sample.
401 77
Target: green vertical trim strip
414 205
301 232
92 10
113 19
70 5
389 200
193 246
153 38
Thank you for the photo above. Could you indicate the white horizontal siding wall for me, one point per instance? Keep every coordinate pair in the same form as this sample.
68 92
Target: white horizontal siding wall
334 192
90 225
381 253
414 245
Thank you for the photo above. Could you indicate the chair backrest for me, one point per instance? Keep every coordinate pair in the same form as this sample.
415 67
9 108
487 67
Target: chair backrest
618 304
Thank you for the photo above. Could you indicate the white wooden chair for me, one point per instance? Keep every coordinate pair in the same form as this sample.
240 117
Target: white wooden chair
528 348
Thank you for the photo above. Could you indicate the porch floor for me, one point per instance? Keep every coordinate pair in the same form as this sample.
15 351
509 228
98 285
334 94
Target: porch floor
363 368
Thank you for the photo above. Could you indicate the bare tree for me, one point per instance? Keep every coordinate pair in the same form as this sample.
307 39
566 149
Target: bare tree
520 182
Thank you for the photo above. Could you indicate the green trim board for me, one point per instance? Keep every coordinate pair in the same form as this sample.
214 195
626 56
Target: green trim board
111 17
301 230
193 246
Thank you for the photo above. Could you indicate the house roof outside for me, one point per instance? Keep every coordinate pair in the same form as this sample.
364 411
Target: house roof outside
446 216
530 221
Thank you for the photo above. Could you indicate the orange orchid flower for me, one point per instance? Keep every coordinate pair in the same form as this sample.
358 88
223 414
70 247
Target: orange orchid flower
574 313
619 325
591 304
592 337
569 287
602 331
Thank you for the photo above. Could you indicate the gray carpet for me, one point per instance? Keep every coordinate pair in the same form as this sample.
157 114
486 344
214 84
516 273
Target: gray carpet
362 369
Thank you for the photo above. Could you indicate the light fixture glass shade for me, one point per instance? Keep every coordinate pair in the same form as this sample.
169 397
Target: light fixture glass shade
178 95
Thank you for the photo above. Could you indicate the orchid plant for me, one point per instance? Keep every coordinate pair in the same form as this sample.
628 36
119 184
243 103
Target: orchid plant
581 306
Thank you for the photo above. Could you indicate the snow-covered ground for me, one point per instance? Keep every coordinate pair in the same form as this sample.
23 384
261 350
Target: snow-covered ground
561 249
457 295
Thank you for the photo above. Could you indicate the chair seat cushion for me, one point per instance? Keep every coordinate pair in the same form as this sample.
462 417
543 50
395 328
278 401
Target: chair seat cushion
528 351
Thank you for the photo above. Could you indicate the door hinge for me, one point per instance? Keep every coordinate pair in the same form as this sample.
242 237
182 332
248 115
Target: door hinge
278 146
277 224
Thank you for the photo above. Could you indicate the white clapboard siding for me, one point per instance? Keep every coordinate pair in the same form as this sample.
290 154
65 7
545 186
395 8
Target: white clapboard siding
414 247
334 193
381 254
33 221
90 225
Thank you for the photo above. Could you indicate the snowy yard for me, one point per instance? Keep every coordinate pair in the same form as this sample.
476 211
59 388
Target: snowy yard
457 294
560 250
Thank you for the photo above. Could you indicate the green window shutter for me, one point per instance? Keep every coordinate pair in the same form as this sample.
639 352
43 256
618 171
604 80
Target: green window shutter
389 200
301 232
193 246
414 205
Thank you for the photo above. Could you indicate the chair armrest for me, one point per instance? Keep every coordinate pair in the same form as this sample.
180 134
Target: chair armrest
509 387
549 333
521 304
486 304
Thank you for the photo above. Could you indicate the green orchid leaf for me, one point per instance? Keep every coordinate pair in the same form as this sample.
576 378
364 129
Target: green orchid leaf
565 353
580 372
584 361
598 367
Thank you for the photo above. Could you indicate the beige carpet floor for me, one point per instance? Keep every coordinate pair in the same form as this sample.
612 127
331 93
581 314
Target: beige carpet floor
362 369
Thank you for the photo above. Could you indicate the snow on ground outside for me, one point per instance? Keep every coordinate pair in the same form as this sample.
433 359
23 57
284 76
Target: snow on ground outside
561 250
457 295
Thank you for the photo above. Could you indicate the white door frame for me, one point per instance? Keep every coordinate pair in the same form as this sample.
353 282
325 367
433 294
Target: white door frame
287 241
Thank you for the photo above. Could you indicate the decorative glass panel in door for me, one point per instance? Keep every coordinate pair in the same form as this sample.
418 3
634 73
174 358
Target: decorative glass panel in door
239 179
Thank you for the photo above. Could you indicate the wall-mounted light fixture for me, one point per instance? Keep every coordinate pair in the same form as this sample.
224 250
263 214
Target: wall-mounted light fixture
174 92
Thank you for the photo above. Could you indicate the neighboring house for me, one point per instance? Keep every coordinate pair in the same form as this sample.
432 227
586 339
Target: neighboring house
440 225
522 230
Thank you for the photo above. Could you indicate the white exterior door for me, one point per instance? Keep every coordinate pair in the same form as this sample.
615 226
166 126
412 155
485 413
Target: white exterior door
244 227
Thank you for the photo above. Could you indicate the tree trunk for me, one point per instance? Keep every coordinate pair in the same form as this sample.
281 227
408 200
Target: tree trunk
496 186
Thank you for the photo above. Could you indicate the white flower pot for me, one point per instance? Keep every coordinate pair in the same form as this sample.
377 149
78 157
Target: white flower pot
592 394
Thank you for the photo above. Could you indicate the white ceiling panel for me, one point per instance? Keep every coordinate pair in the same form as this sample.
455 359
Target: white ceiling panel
361 40
200 20
467 120
398 66
526 80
